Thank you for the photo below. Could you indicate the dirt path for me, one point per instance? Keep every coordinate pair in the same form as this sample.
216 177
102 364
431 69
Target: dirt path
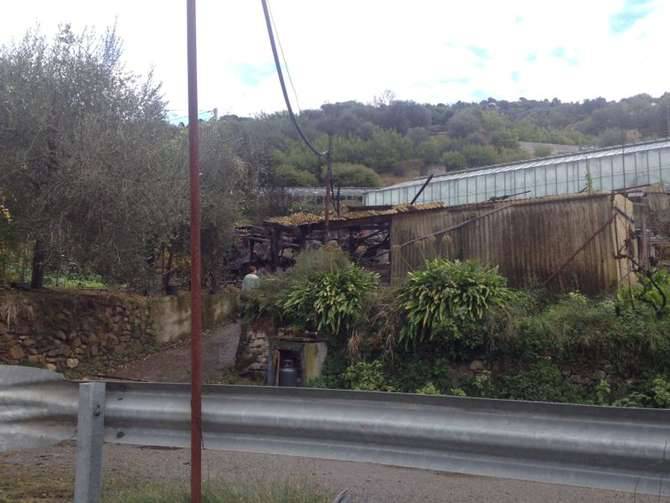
46 475
174 365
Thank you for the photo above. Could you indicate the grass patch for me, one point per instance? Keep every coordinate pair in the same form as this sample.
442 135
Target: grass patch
75 281
39 484
286 492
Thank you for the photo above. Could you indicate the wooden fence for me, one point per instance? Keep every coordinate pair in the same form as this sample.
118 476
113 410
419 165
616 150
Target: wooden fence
563 243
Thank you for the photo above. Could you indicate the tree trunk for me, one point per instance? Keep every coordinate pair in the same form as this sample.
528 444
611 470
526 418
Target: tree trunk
39 259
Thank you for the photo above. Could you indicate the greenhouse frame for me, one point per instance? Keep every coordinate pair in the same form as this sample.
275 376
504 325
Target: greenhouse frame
605 170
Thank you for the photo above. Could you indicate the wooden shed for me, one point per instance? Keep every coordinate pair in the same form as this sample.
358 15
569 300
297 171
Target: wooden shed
583 242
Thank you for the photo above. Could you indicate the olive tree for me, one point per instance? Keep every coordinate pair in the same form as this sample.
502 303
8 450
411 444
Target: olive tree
79 139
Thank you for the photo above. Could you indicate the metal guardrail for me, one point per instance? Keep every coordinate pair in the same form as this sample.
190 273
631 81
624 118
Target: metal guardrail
600 447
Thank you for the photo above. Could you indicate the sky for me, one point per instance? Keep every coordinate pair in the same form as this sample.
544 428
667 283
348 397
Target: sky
435 51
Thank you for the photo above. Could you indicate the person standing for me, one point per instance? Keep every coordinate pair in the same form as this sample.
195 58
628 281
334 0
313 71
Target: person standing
251 280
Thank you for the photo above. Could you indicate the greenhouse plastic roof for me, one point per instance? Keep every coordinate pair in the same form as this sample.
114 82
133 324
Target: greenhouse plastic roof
545 161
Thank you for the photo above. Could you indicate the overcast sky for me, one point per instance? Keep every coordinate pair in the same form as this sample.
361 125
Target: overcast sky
424 50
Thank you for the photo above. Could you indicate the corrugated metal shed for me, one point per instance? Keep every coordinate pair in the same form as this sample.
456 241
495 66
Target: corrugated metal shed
563 243
603 170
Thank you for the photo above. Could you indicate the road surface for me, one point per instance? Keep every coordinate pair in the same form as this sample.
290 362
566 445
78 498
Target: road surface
46 475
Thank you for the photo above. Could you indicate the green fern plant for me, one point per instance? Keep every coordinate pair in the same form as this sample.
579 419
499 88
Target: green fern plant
448 299
330 303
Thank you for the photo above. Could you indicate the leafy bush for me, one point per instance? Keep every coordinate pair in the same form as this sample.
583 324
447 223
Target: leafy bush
332 374
265 301
367 376
543 381
289 176
330 303
354 175
312 263
653 393
603 392
480 155
576 329
481 385
92 281
652 292
457 392
542 151
410 372
454 160
428 389
446 301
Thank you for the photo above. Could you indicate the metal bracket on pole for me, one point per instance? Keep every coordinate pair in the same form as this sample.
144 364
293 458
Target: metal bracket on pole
90 438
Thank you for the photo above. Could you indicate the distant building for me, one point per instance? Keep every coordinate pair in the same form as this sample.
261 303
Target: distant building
605 170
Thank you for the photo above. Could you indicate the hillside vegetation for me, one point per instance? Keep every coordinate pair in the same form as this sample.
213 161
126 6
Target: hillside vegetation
456 328
94 179
403 138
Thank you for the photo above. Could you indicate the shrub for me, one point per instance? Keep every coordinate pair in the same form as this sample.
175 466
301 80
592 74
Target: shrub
354 175
330 303
654 392
543 381
265 301
652 292
542 151
428 389
481 385
576 329
289 176
480 155
367 377
446 301
332 374
603 392
408 373
454 160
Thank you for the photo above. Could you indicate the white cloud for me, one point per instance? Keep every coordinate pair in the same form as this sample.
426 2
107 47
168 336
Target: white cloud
426 50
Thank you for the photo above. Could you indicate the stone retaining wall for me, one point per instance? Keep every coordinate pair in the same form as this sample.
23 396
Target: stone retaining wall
62 330
254 348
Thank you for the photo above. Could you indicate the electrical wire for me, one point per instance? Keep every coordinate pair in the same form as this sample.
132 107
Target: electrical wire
282 83
283 57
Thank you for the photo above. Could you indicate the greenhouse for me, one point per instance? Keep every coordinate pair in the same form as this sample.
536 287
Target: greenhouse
605 170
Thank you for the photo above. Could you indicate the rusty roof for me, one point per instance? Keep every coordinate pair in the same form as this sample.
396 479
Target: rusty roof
301 218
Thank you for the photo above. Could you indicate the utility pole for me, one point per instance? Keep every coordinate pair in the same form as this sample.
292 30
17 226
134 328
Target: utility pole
329 181
196 294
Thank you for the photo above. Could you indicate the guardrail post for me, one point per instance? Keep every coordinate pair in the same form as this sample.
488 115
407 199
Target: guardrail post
90 437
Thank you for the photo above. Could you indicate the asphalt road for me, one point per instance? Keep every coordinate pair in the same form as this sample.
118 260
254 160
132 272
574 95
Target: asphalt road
46 475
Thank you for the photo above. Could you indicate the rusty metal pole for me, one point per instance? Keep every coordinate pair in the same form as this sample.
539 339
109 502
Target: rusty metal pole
196 295
329 181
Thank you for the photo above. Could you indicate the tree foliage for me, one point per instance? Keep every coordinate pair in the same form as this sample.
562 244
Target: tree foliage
95 176
354 175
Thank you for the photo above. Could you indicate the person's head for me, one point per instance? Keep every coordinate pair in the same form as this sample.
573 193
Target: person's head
252 269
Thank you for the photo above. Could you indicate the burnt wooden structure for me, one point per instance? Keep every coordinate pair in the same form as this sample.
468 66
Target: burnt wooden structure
364 233
585 241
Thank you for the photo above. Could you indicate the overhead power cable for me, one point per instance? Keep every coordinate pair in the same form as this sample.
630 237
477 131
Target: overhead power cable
282 83
283 57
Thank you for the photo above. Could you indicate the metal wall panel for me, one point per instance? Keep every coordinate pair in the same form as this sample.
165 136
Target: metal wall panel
612 169
601 447
528 240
